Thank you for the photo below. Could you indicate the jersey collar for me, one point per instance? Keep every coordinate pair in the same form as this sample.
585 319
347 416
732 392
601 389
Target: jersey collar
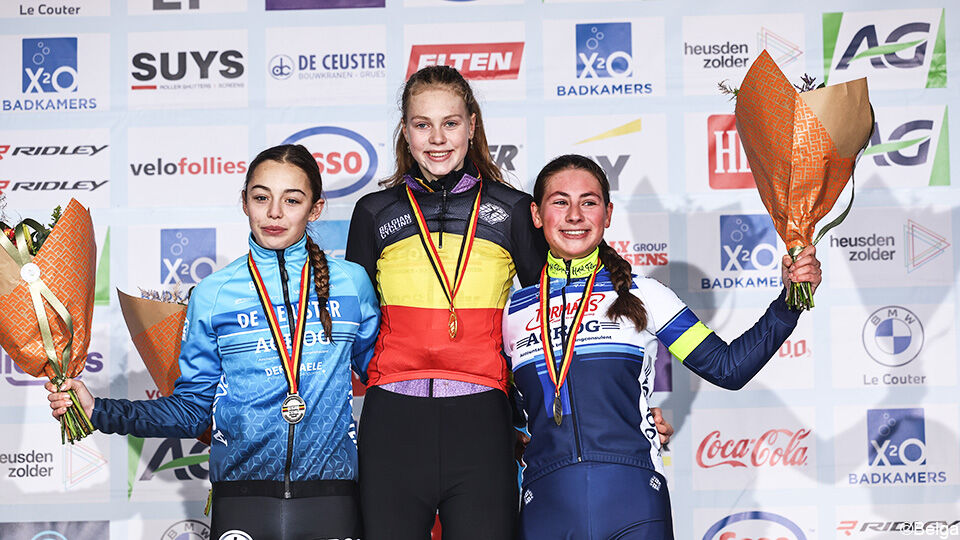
579 268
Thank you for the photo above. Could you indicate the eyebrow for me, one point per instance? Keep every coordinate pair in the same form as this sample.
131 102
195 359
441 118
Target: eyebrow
585 194
289 190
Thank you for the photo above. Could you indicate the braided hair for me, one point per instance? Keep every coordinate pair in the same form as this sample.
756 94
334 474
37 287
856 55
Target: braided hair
448 78
626 304
301 158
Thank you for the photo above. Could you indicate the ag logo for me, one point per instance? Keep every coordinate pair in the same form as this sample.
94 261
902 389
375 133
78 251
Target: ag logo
188 529
346 156
754 524
897 437
912 137
747 242
893 336
905 47
604 50
281 67
49 65
187 255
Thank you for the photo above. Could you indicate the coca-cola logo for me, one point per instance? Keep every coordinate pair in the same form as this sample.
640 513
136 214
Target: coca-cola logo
593 303
775 448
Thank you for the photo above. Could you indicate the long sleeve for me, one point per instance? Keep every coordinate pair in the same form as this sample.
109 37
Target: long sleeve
361 246
186 413
369 323
529 246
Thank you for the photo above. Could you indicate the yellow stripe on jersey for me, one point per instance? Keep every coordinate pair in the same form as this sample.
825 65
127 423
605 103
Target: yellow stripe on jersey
688 341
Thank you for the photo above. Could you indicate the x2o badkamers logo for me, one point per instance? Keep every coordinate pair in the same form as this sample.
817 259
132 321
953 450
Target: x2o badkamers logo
187 255
49 65
895 49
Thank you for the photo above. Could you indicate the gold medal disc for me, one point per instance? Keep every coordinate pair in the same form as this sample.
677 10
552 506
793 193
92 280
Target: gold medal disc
557 410
453 324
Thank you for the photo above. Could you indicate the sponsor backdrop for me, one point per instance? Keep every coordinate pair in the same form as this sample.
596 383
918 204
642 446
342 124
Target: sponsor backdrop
148 112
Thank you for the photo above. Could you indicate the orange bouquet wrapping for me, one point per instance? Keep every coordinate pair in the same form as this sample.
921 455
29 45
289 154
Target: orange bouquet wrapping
46 297
802 148
156 328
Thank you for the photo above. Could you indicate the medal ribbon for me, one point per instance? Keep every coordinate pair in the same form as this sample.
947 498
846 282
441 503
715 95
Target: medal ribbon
559 376
289 360
466 246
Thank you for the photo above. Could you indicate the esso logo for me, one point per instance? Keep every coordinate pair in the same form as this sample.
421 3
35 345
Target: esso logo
756 525
347 160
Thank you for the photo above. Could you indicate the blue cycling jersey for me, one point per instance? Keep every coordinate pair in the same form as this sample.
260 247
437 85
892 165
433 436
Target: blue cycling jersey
231 373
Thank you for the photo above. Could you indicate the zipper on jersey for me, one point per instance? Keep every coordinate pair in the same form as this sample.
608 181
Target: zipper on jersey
563 352
290 431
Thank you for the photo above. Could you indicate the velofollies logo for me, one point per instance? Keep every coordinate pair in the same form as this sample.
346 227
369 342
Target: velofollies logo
895 49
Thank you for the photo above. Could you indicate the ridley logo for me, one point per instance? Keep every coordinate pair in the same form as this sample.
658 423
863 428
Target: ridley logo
776 447
476 61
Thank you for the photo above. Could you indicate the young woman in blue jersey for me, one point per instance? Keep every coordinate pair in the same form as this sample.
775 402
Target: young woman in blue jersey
593 463
266 355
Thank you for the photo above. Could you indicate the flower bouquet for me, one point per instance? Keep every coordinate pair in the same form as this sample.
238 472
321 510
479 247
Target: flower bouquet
802 148
47 281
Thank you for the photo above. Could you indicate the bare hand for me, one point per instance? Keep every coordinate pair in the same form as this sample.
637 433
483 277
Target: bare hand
60 400
805 268
663 428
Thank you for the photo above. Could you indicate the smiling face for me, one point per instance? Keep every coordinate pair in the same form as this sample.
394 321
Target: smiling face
438 129
572 213
278 202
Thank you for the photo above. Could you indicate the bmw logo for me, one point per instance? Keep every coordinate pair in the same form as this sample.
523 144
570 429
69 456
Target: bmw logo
893 336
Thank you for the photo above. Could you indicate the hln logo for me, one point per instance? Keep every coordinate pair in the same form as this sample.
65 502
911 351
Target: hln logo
727 163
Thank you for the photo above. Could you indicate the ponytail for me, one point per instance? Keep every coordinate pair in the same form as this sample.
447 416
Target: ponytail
626 305
321 281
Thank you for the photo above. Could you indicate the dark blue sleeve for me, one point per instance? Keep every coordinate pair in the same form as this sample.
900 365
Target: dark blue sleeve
732 366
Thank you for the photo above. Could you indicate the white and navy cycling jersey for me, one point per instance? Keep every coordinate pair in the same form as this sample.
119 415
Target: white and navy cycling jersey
606 416
231 373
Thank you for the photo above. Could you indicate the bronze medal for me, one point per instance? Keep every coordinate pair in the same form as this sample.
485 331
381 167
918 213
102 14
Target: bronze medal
557 410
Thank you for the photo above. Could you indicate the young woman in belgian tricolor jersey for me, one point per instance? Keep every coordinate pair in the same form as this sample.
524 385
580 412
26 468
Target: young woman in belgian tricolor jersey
585 371
283 460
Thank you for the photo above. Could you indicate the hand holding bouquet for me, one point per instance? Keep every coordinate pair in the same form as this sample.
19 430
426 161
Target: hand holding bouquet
802 148
47 279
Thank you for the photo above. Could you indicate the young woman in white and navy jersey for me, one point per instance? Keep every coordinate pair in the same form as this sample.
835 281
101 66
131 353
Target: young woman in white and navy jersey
585 367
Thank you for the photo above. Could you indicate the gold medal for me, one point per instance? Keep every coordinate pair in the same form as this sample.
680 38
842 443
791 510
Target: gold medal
453 324
557 410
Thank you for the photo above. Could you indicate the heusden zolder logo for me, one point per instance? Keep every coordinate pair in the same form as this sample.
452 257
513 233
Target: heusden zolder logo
203 69
887 42
897 450
920 245
908 145
475 61
727 163
893 336
748 253
187 256
754 524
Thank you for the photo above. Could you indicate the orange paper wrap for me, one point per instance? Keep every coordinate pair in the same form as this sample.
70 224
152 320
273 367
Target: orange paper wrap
67 264
156 329
802 147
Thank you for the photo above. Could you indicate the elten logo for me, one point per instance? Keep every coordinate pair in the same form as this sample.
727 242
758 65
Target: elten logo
187 255
475 61
49 65
893 336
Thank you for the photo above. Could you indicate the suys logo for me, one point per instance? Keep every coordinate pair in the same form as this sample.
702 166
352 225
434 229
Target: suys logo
49 65
187 255
747 242
188 529
747 524
175 66
353 160
908 145
727 163
896 437
905 44
475 61
892 336
604 50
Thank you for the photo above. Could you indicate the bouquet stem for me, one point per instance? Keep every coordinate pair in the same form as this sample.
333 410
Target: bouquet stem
74 424
800 295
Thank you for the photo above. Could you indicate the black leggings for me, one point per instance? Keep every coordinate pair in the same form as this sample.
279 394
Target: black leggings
454 455
319 510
